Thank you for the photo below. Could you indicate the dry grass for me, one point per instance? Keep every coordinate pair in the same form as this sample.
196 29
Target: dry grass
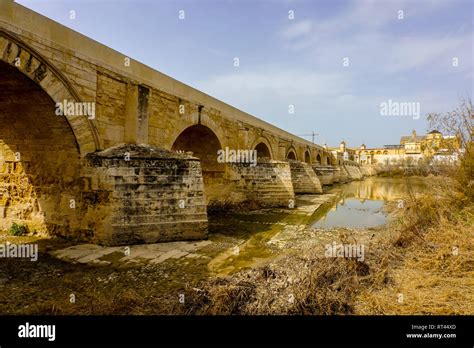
287 286
427 256
304 284
436 275
424 266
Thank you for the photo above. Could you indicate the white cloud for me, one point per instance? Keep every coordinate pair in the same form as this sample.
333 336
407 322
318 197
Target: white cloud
297 29
277 81
411 52
340 102
361 16
364 32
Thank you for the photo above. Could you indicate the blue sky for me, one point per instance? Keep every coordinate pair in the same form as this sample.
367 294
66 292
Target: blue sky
297 61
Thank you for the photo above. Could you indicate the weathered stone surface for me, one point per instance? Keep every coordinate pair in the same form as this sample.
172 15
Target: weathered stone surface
325 174
304 178
166 203
353 171
152 253
39 160
268 183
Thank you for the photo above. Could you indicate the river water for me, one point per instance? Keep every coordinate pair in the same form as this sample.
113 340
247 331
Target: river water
264 234
360 204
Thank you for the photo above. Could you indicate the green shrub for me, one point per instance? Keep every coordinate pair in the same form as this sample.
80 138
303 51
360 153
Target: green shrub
18 229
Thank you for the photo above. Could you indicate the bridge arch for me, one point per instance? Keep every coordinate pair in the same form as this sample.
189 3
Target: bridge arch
307 157
291 154
202 119
263 151
204 144
263 147
39 70
40 159
318 159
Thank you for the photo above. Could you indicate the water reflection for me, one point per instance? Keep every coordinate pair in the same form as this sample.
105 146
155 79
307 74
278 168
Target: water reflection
359 204
381 189
353 213
266 234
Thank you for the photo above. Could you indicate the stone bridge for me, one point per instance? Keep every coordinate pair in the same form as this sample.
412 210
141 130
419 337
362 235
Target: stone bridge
99 147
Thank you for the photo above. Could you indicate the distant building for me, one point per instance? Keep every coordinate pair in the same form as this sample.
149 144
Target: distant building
433 147
343 153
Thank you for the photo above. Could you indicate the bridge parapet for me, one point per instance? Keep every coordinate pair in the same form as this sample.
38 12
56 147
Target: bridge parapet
351 163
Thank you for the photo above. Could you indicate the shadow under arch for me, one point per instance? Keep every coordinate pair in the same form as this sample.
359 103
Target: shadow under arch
263 152
204 144
38 69
318 158
263 147
307 157
40 159
291 154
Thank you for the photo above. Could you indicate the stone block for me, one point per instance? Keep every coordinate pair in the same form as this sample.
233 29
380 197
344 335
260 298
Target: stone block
304 178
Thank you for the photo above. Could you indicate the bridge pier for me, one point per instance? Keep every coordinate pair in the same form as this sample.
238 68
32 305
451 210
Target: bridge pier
304 178
342 174
140 194
353 171
268 184
325 174
336 175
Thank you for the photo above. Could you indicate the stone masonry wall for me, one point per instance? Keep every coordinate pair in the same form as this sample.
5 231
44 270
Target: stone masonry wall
153 196
39 159
336 175
343 175
354 172
304 178
268 183
325 174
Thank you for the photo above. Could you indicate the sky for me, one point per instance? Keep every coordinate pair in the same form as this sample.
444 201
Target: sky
323 66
